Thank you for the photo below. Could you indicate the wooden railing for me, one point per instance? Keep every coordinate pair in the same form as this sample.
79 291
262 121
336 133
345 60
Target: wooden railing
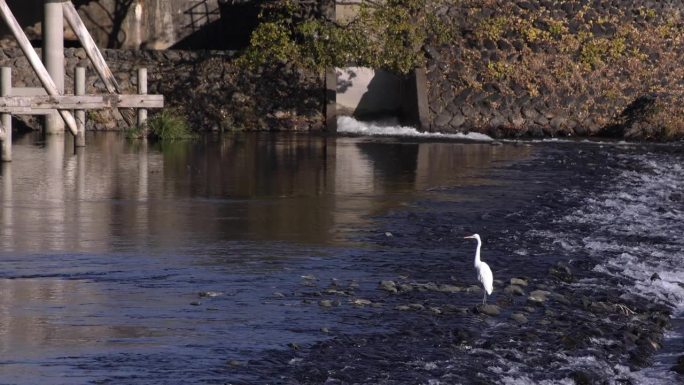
31 101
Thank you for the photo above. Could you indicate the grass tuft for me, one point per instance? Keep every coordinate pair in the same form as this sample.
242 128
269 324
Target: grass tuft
167 125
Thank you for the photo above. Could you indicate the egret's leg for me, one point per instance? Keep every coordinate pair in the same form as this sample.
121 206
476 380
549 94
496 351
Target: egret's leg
484 297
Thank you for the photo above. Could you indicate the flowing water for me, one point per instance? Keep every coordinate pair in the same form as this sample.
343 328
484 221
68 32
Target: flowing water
256 259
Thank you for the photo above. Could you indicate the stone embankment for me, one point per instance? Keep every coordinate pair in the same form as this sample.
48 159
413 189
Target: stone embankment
207 87
533 68
523 68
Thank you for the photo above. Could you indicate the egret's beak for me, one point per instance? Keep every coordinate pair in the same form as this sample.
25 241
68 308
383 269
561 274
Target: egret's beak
469 236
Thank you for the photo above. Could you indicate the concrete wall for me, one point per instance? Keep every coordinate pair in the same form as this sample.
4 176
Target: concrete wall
367 93
152 24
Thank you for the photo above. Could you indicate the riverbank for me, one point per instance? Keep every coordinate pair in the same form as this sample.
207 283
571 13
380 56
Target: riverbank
508 69
556 69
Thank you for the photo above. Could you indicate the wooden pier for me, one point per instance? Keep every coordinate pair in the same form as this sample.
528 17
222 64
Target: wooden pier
51 100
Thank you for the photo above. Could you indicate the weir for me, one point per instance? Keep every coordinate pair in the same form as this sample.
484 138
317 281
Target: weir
369 93
51 100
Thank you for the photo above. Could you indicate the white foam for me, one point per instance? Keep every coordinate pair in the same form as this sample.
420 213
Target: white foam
349 125
524 380
638 206
634 231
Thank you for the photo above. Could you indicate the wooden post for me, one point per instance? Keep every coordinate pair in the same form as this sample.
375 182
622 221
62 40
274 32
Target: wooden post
6 90
53 56
331 100
142 90
79 90
35 62
94 54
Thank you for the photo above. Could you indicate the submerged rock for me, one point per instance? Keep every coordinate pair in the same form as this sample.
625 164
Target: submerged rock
538 296
234 363
328 303
519 318
488 309
360 302
562 272
450 288
405 288
519 282
583 378
679 367
389 286
514 290
335 292
436 310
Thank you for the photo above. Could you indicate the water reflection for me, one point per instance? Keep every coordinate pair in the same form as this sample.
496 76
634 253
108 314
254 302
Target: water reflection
117 195
104 250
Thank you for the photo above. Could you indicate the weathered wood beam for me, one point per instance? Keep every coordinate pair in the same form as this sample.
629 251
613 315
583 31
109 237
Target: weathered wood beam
99 63
142 90
6 89
20 104
80 90
35 62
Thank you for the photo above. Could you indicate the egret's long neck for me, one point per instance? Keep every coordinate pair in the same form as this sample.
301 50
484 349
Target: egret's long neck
477 253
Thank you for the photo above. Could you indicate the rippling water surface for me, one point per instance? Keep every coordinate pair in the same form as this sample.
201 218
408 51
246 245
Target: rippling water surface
256 258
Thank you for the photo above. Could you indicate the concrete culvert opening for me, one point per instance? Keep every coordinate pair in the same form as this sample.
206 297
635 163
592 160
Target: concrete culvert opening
368 94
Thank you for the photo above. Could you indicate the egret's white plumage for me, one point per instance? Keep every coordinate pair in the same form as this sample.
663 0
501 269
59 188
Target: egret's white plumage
484 273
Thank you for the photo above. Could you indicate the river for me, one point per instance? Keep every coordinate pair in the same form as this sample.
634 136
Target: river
256 259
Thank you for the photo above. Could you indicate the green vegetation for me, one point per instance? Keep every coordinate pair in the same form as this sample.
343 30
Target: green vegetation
558 29
492 28
596 52
498 70
167 125
387 35
531 33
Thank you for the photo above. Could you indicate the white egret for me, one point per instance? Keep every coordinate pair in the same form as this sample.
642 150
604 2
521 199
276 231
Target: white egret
484 273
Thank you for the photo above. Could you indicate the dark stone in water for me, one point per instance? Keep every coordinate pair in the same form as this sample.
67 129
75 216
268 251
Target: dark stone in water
562 272
655 276
519 318
389 286
490 310
679 367
514 290
584 378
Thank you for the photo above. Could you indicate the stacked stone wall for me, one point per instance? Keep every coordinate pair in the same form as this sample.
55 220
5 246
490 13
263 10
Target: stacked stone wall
206 87
558 68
